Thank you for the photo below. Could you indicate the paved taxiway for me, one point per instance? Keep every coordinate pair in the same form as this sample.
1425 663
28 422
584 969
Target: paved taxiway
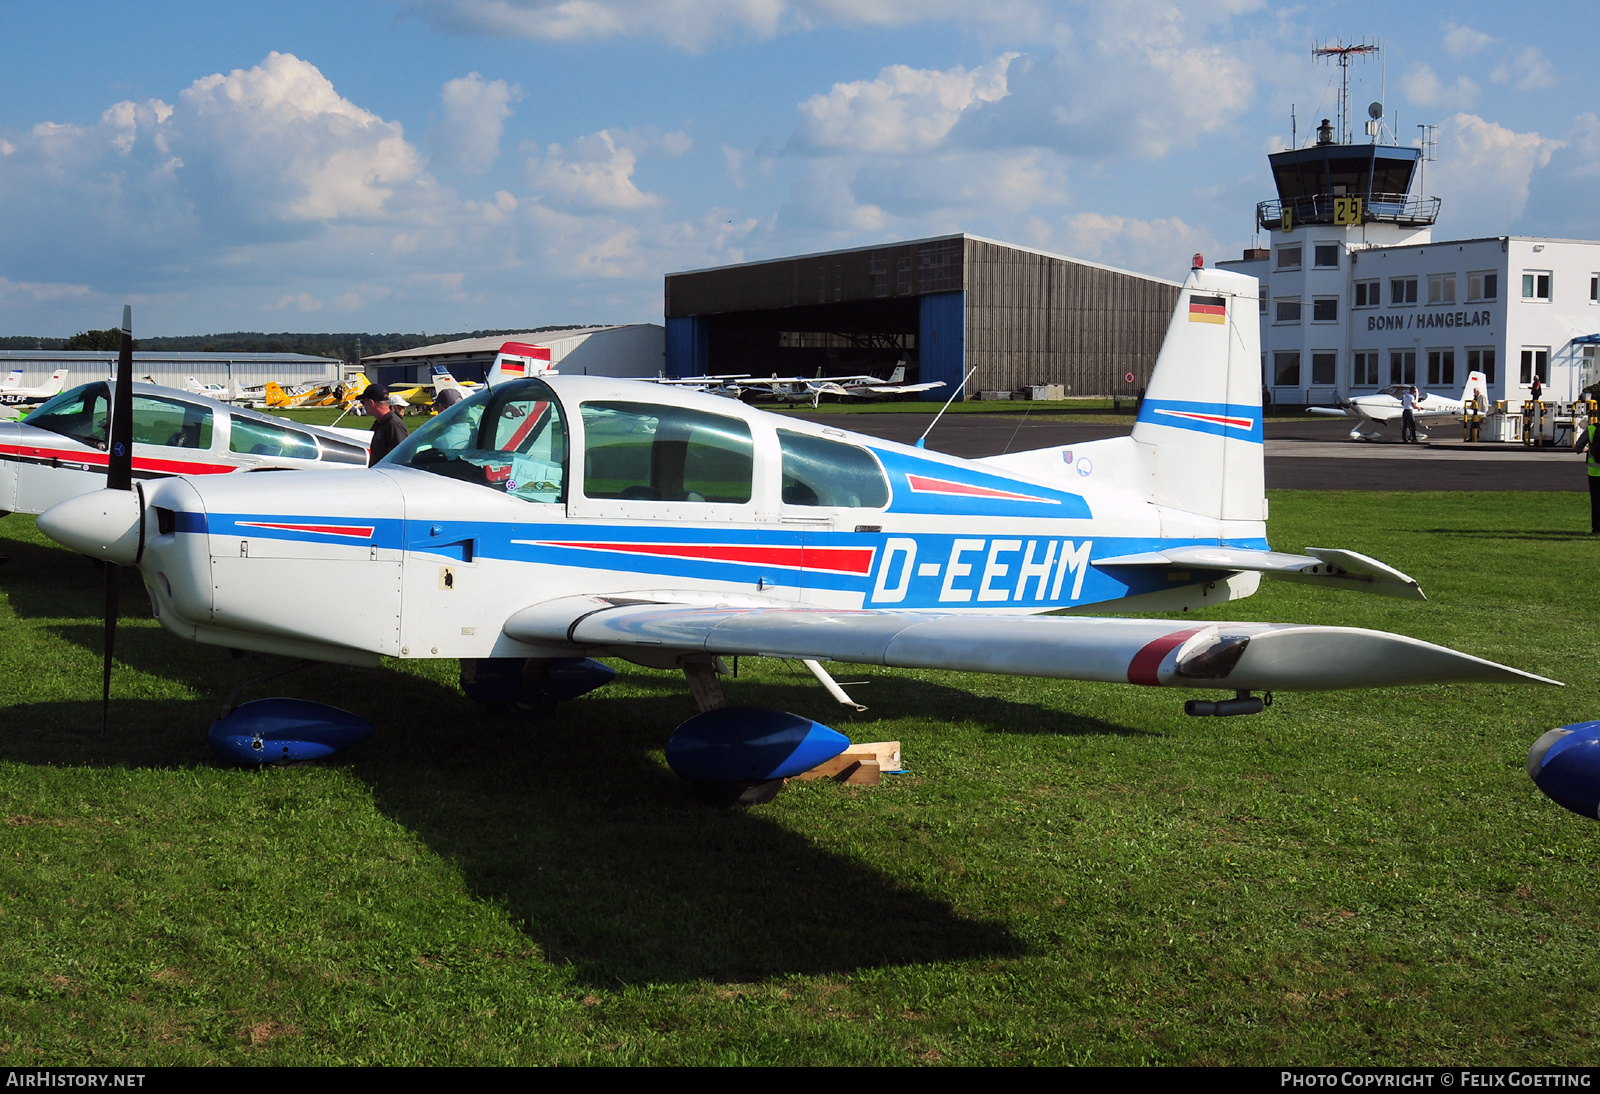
1308 455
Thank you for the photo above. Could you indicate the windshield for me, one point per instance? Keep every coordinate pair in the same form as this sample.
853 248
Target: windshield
511 438
80 413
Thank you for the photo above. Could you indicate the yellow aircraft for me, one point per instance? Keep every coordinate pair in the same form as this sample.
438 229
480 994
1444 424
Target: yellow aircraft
343 393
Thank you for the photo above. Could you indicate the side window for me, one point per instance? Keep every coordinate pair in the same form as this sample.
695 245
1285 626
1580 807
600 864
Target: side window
511 438
823 472
170 423
257 438
644 452
81 414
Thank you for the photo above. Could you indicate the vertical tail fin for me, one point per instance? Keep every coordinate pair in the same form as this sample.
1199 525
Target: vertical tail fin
13 380
518 360
1475 396
1202 411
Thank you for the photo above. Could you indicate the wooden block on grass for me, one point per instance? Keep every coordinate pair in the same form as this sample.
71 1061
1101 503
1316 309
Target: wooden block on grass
859 765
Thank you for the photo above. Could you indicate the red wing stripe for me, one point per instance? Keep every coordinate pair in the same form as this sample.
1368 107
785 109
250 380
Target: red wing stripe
922 484
839 560
347 530
1143 669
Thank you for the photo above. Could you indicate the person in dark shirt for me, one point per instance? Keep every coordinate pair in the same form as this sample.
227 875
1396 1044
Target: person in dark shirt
387 428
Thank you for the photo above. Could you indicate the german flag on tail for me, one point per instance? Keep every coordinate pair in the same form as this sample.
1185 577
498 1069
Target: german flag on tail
1208 309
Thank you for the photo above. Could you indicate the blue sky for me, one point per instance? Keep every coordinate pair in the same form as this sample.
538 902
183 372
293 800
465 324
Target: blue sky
449 164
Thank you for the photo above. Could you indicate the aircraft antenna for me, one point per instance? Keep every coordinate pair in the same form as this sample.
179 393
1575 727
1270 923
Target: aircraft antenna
1430 153
1342 53
946 407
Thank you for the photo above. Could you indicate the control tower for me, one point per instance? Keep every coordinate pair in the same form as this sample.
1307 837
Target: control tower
1363 191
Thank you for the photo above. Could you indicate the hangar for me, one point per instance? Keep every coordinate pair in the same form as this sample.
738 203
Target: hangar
633 349
1020 317
172 368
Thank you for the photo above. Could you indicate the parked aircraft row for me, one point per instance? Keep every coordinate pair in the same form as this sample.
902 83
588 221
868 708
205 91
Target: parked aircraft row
800 389
61 449
543 522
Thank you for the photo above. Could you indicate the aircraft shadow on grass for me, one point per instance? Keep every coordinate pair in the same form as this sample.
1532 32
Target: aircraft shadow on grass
606 860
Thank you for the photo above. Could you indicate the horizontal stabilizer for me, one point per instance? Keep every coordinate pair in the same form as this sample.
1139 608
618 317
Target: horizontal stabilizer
1325 566
1234 656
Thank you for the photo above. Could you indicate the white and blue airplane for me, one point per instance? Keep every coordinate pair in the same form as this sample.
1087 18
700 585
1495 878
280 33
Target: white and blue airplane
545 521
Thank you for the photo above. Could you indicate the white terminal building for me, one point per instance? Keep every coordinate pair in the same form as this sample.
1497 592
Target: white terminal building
1356 294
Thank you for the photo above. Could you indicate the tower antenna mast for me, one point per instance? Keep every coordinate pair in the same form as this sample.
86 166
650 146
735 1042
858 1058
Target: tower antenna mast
1342 53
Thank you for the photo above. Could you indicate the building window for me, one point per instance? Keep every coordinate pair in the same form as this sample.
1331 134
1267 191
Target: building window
1367 294
1325 309
1587 377
1535 362
1289 258
1262 305
1441 367
1482 360
1441 288
1402 290
1403 366
1325 368
1326 256
1289 310
1594 288
1483 286
1286 369
1536 286
1366 369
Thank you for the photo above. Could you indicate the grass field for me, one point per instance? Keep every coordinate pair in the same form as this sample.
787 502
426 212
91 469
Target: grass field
1071 873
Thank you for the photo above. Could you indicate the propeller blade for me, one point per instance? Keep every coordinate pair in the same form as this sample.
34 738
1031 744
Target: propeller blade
119 476
119 470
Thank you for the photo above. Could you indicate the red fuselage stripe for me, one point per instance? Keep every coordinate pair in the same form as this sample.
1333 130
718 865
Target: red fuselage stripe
100 459
839 560
921 484
319 529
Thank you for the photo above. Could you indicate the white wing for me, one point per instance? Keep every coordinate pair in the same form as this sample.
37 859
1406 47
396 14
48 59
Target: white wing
1242 656
1328 566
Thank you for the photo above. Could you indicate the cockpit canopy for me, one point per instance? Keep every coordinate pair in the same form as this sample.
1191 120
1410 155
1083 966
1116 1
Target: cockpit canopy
514 438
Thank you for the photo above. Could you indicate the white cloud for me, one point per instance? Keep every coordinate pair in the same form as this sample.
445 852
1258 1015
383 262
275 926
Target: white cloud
592 173
904 110
689 24
302 301
467 135
1142 76
40 291
1424 88
1162 247
287 140
1527 71
1483 173
1463 41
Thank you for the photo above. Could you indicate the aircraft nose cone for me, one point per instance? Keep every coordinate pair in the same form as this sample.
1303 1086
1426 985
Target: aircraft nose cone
103 524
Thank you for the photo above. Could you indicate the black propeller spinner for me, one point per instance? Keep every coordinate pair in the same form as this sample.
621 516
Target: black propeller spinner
119 476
